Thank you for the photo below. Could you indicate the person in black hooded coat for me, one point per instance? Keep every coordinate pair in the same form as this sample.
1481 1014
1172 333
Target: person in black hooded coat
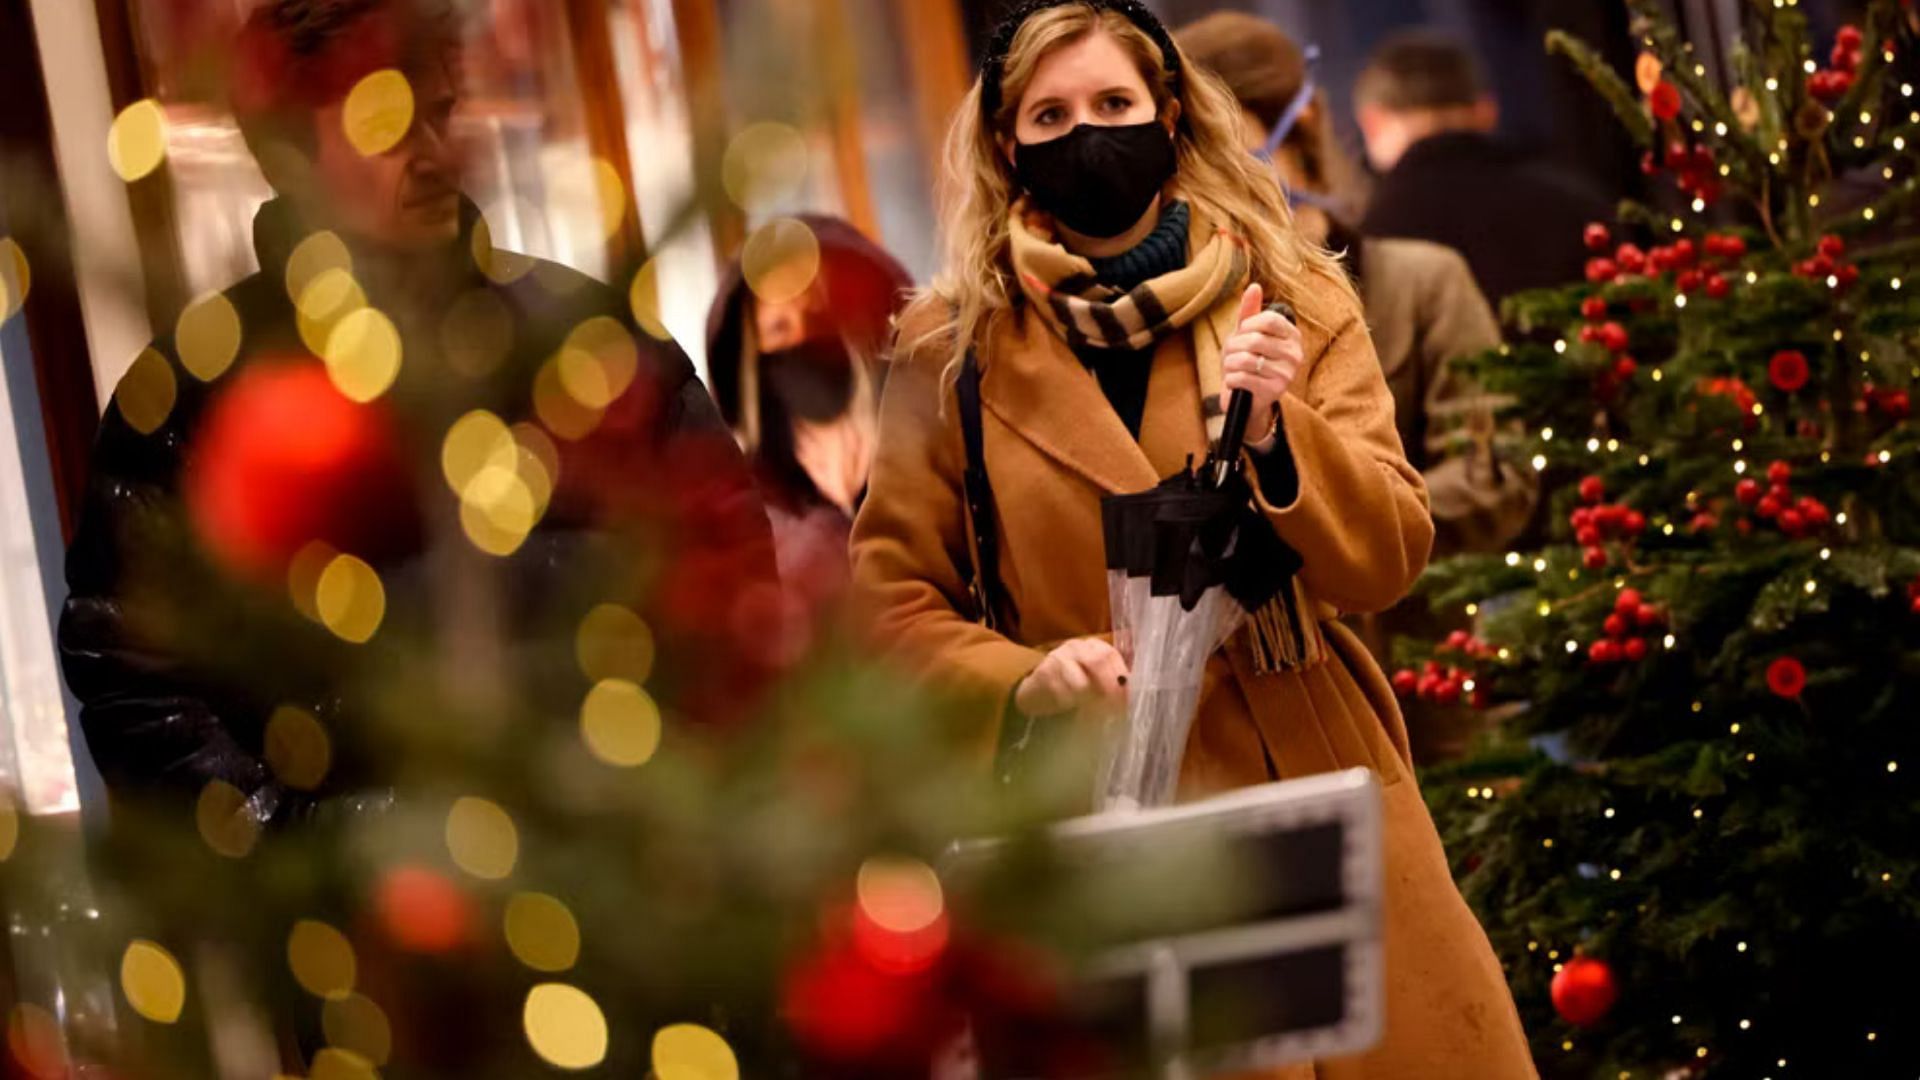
160 716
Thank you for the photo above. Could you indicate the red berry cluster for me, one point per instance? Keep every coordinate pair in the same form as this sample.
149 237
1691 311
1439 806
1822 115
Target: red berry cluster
1735 390
1696 267
1597 522
1894 404
1444 685
1630 612
1828 261
1693 168
1830 84
1775 503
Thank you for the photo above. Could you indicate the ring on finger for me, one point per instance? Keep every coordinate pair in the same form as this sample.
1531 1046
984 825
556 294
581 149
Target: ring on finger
1259 365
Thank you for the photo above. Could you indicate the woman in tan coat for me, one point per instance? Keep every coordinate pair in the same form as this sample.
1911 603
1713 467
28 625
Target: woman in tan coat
1111 245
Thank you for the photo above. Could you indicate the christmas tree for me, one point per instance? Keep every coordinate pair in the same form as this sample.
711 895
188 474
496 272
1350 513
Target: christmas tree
1692 831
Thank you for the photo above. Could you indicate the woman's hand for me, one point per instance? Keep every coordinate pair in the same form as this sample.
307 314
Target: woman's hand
1081 672
1262 357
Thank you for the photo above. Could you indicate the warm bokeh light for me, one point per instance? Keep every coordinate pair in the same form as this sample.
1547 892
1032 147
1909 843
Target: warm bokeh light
321 959
16 277
781 260
565 1027
598 362
765 165
498 511
692 1052
620 723
482 839
355 1024
614 643
902 895
475 443
643 296
560 411
363 354
331 296
207 337
350 600
422 910
137 141
542 933
147 393
612 193
303 576
316 255
225 823
297 748
378 112
152 981
334 1063
35 1040
478 333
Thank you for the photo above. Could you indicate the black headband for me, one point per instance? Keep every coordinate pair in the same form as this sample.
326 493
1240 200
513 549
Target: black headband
993 69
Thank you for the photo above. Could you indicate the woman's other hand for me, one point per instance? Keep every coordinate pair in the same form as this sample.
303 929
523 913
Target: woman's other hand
1262 357
1081 672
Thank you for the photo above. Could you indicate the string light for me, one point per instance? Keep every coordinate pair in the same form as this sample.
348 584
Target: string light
1614 874
1740 947
1546 609
1513 558
1539 566
1825 554
1697 815
1733 728
1811 587
1656 375
1560 345
1680 300
1539 462
1546 434
1740 467
1678 225
1697 706
1811 67
1893 766
1548 843
1772 83
1609 812
1720 129
1668 641
1699 127
1472 610
1593 446
1813 200
1752 277
1676 1019
1699 205
1572 646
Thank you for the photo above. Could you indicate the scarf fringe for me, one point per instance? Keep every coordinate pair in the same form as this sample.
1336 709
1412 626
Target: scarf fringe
1284 633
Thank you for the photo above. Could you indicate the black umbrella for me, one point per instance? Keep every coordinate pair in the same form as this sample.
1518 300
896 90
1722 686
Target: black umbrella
1187 562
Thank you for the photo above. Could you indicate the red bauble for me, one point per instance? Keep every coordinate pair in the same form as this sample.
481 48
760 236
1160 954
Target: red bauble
1584 990
1747 491
1448 692
1781 494
1768 508
1633 522
1832 246
1847 276
1664 100
1786 677
1717 287
1602 270
1814 512
1703 522
422 911
1914 605
282 459
1604 651
1848 37
1459 640
1592 489
1689 281
1779 472
1613 336
843 1010
1635 649
1405 682
1595 558
1684 252
1628 601
1587 535
1830 86
1844 59
1593 308
1581 517
1792 523
1631 259
1597 237
1615 626
1647 616
1819 266
1788 370
1896 403
1649 165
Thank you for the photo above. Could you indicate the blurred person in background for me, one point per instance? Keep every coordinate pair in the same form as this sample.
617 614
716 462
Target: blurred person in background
1429 120
1110 245
169 711
798 379
1420 299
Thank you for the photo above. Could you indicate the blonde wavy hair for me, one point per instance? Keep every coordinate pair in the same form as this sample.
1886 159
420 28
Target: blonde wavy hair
1224 184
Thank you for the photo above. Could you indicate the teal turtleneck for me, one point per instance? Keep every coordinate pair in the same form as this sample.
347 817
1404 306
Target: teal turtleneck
1124 373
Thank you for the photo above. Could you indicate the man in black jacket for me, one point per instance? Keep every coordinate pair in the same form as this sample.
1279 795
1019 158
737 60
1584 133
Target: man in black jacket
1428 122
179 663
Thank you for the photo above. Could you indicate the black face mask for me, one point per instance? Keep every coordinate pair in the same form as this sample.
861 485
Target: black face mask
1097 180
811 381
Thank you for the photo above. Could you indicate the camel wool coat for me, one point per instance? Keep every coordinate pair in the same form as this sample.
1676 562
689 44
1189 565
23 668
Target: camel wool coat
1053 447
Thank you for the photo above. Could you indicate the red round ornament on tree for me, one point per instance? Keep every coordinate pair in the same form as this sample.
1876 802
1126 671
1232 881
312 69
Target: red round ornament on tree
1405 682
282 459
1597 237
1788 370
1584 991
1717 287
1602 270
1592 489
1593 308
1635 649
1664 100
1748 491
1786 677
421 911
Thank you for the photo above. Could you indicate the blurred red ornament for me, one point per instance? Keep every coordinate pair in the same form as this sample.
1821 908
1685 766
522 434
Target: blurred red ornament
1635 649
1597 237
1664 100
1689 281
1628 601
1604 651
1844 59
1845 276
1768 508
1748 491
1633 523
1703 522
282 459
1786 677
1602 270
1788 370
1630 259
1593 308
1405 682
1447 692
1592 489
1717 287
1896 403
1625 368
1684 252
842 1009
1613 336
1584 991
1792 523
1614 626
1649 165
1594 558
422 911
1832 246
1779 472
1848 36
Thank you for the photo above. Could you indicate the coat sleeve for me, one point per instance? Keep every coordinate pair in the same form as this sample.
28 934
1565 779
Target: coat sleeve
910 545
151 726
1479 501
1358 516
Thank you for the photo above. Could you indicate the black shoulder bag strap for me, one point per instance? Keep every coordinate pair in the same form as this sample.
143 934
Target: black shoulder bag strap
989 597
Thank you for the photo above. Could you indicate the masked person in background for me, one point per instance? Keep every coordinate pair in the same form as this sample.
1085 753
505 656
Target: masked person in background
1421 304
1111 245
798 379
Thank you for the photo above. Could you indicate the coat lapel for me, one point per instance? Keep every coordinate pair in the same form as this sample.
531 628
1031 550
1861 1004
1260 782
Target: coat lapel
1035 384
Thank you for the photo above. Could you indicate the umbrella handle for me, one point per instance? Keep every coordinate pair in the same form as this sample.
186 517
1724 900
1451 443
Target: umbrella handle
1233 435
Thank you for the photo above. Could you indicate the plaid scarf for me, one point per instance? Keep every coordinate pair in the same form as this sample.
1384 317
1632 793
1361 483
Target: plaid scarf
1088 314
1284 634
